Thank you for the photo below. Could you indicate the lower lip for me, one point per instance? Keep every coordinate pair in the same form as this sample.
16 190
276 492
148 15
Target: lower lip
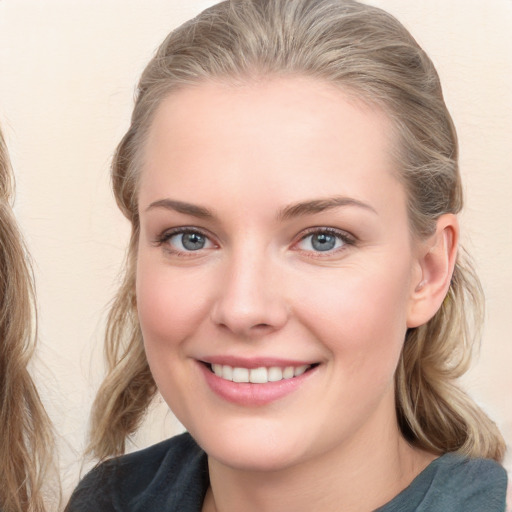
248 394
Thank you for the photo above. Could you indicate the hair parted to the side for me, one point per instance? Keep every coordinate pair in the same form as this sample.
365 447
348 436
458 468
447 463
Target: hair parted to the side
364 51
26 437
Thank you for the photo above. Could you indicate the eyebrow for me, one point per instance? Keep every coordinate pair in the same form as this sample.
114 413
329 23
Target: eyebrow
294 210
320 205
182 207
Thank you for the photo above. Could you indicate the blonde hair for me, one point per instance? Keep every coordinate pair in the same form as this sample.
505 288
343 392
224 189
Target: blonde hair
363 50
26 437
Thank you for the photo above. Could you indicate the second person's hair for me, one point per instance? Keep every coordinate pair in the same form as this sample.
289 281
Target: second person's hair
26 439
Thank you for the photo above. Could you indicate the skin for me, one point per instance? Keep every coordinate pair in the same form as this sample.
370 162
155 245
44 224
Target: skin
258 288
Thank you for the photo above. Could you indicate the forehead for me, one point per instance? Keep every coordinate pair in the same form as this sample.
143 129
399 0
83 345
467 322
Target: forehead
256 105
301 136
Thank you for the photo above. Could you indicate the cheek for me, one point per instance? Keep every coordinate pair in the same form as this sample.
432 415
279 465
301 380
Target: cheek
168 303
360 316
169 309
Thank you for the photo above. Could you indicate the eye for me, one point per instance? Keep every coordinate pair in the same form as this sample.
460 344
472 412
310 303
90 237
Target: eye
324 240
183 240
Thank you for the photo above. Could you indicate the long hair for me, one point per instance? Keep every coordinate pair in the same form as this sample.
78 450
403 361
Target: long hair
368 53
26 438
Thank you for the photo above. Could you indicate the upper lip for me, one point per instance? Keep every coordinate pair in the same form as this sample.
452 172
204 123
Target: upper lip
254 362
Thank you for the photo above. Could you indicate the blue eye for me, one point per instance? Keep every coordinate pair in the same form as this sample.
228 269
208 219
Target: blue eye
322 241
187 241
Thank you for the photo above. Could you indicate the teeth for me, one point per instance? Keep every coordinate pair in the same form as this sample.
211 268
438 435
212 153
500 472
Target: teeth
288 372
275 374
240 375
227 372
299 370
260 375
217 369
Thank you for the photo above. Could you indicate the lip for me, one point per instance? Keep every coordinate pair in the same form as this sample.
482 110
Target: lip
249 394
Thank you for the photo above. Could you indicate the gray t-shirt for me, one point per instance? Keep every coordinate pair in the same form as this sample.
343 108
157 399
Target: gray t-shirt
453 483
172 476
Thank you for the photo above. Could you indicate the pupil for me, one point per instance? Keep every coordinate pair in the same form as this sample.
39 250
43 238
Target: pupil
193 241
323 242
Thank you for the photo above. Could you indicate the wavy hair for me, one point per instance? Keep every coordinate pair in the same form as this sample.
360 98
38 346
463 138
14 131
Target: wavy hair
368 53
26 437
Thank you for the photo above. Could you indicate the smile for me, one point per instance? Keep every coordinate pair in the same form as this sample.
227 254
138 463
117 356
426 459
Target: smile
261 375
255 382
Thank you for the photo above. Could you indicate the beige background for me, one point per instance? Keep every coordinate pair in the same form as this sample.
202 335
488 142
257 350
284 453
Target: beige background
68 70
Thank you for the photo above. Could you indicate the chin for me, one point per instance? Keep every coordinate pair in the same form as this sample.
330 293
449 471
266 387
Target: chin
255 460
252 452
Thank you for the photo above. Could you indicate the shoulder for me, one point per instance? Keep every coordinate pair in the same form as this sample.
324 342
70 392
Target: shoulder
471 477
171 473
453 483
475 484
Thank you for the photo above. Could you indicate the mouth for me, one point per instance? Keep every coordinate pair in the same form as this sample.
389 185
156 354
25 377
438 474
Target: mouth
260 375
255 382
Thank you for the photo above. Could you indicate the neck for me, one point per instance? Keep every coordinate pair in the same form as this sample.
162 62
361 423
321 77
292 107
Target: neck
378 470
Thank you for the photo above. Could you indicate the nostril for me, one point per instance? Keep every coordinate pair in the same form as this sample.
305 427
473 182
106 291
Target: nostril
259 329
262 328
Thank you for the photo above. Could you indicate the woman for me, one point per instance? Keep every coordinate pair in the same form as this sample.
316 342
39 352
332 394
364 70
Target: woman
294 288
26 437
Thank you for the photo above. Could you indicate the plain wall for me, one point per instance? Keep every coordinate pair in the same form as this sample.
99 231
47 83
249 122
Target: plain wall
68 70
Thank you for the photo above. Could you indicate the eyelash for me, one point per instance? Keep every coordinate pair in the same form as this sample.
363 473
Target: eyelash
343 236
165 237
346 239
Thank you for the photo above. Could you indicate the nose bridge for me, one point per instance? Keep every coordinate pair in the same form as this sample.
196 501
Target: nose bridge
250 300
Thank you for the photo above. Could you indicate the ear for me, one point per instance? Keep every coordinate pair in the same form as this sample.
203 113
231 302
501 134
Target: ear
436 259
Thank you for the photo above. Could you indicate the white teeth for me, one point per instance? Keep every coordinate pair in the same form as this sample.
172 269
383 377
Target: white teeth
288 372
259 375
275 374
227 372
240 375
217 369
299 370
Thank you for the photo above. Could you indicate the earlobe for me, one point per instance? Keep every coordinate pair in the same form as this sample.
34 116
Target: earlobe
436 260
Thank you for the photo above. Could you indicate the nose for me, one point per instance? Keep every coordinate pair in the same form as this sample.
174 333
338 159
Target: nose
250 301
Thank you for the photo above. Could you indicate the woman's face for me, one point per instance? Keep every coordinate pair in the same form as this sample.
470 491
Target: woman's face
274 248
